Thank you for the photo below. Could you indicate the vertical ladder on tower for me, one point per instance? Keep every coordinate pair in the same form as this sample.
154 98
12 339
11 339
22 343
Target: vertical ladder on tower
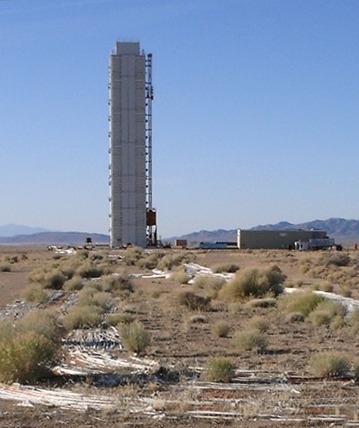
151 224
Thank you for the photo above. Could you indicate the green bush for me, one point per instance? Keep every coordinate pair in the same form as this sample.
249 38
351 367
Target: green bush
329 364
303 302
74 284
26 358
326 312
193 301
117 283
55 280
133 254
225 267
209 283
254 283
37 276
180 276
43 322
92 297
219 369
89 270
150 261
35 294
251 340
134 337
172 259
117 318
221 329
82 317
29 348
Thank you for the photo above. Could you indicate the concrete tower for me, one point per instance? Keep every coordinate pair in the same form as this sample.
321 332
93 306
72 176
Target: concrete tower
130 97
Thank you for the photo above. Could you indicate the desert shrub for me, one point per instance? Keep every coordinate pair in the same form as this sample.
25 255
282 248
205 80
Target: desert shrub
250 340
117 318
221 329
337 259
319 317
68 268
133 254
266 302
150 261
35 294
180 276
254 283
295 317
258 323
329 364
102 300
82 317
54 280
302 302
89 270
198 319
42 322
193 301
26 357
92 297
134 337
5 267
345 291
95 256
327 311
324 286
209 283
353 318
74 284
219 369
170 260
225 267
356 370
117 283
82 255
37 275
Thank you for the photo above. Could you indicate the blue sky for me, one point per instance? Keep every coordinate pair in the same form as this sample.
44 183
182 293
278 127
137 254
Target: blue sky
255 114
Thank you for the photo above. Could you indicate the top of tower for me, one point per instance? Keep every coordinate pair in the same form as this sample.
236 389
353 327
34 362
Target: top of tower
123 48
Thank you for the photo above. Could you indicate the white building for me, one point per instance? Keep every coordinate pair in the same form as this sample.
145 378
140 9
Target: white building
130 155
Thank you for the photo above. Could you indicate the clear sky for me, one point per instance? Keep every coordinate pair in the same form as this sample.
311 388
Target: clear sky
255 116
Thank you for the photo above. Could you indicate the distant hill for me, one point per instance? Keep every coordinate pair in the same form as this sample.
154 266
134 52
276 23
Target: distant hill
19 229
342 230
56 238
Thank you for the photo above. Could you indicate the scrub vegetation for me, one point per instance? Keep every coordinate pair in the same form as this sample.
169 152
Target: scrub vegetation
261 313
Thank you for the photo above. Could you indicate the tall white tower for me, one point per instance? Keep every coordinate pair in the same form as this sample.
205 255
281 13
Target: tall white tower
130 132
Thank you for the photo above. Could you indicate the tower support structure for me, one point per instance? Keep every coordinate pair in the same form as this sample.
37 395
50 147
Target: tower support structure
132 216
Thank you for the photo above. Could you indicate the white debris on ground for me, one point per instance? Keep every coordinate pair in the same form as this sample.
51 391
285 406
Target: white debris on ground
30 396
82 361
194 270
95 338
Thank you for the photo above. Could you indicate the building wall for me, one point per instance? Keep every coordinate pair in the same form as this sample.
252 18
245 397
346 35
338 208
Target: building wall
275 239
127 145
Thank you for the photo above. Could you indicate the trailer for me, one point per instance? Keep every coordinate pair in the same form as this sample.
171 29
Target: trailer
315 244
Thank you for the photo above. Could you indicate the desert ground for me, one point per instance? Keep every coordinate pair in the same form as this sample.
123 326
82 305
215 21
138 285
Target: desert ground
192 313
